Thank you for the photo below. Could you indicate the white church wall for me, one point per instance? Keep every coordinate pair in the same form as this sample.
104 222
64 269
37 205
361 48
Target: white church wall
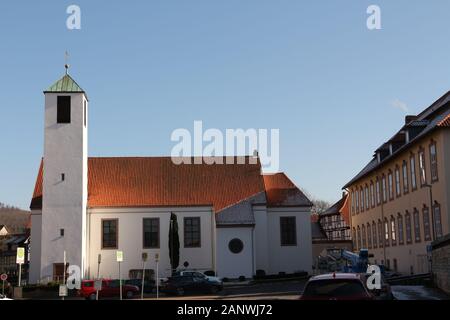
64 204
131 240
35 247
261 238
289 259
233 265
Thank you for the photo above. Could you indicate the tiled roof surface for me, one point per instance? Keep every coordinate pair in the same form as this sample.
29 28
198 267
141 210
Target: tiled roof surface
281 191
157 181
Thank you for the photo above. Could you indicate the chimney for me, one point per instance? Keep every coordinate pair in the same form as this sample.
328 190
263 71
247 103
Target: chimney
410 118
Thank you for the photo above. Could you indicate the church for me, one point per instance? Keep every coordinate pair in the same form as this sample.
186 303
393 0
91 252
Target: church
232 219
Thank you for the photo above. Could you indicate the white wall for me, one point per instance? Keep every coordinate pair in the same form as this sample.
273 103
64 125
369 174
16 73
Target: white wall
261 238
64 202
35 247
283 258
131 240
233 265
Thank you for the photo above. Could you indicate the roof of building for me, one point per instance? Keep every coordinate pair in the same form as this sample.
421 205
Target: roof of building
65 85
341 207
158 182
435 116
317 232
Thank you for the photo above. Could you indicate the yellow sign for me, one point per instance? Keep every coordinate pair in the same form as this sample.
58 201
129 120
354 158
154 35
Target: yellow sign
119 256
20 259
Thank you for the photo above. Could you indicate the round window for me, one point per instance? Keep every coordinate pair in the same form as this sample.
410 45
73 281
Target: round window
236 246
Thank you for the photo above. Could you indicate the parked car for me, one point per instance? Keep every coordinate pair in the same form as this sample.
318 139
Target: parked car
2 297
149 285
110 289
199 275
180 285
336 286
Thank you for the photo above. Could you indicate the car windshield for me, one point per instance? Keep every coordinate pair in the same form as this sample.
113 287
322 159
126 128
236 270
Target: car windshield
334 288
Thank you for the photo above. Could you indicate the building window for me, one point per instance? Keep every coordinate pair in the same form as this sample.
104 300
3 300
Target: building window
288 231
364 237
422 172
63 109
192 237
380 234
361 194
359 238
433 162
110 233
393 232
426 224
236 246
357 200
383 187
372 195
412 168
386 232
151 232
366 192
401 239
377 187
397 182
369 237
408 228
390 186
416 225
437 220
405 177
374 235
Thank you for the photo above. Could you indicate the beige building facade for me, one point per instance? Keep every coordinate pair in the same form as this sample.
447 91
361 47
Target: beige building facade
399 202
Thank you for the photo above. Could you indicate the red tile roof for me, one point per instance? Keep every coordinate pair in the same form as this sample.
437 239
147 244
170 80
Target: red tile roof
157 181
445 122
281 191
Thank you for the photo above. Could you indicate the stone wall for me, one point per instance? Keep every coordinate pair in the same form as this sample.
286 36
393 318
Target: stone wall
441 263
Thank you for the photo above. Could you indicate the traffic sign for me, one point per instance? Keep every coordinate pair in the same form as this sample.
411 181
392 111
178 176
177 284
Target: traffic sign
119 256
98 285
4 277
20 259
63 290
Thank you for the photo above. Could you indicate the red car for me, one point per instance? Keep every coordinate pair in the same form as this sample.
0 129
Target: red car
110 289
336 286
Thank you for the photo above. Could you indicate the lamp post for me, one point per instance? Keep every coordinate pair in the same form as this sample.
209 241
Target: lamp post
429 186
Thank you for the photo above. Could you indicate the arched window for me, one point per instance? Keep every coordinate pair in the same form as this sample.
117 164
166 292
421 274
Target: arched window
397 182
378 192
412 168
416 219
433 162
364 237
408 227
393 232
359 238
369 237
405 177
380 234
437 220
401 237
386 232
372 195
426 223
361 198
374 235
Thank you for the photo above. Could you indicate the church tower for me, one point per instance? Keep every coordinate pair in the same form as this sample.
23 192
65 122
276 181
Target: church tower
64 178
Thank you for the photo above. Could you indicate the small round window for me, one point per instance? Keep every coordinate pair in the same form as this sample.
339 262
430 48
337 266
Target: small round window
236 246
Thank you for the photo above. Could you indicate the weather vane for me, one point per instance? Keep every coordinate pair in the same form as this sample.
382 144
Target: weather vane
66 59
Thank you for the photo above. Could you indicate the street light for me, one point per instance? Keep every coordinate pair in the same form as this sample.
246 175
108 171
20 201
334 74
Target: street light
431 208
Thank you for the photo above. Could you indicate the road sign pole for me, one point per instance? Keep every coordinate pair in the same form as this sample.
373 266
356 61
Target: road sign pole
157 275
143 280
64 271
20 274
3 288
120 282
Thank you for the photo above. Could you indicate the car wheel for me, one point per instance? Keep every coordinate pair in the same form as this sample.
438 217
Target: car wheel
180 291
92 296
129 294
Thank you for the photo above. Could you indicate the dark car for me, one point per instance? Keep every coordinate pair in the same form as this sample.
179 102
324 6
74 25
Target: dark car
110 289
149 285
180 285
336 286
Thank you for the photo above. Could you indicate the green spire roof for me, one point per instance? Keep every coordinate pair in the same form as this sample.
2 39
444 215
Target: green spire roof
65 84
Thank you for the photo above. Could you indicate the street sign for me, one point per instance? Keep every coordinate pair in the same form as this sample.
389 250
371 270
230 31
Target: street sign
119 256
144 256
156 257
20 259
98 285
4 277
63 290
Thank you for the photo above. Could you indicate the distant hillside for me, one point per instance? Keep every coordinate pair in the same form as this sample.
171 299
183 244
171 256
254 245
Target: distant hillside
13 218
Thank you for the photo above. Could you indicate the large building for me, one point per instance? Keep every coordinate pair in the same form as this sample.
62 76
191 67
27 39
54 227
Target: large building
400 201
232 219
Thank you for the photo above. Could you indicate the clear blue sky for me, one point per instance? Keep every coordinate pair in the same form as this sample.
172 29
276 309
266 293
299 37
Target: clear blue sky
310 68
